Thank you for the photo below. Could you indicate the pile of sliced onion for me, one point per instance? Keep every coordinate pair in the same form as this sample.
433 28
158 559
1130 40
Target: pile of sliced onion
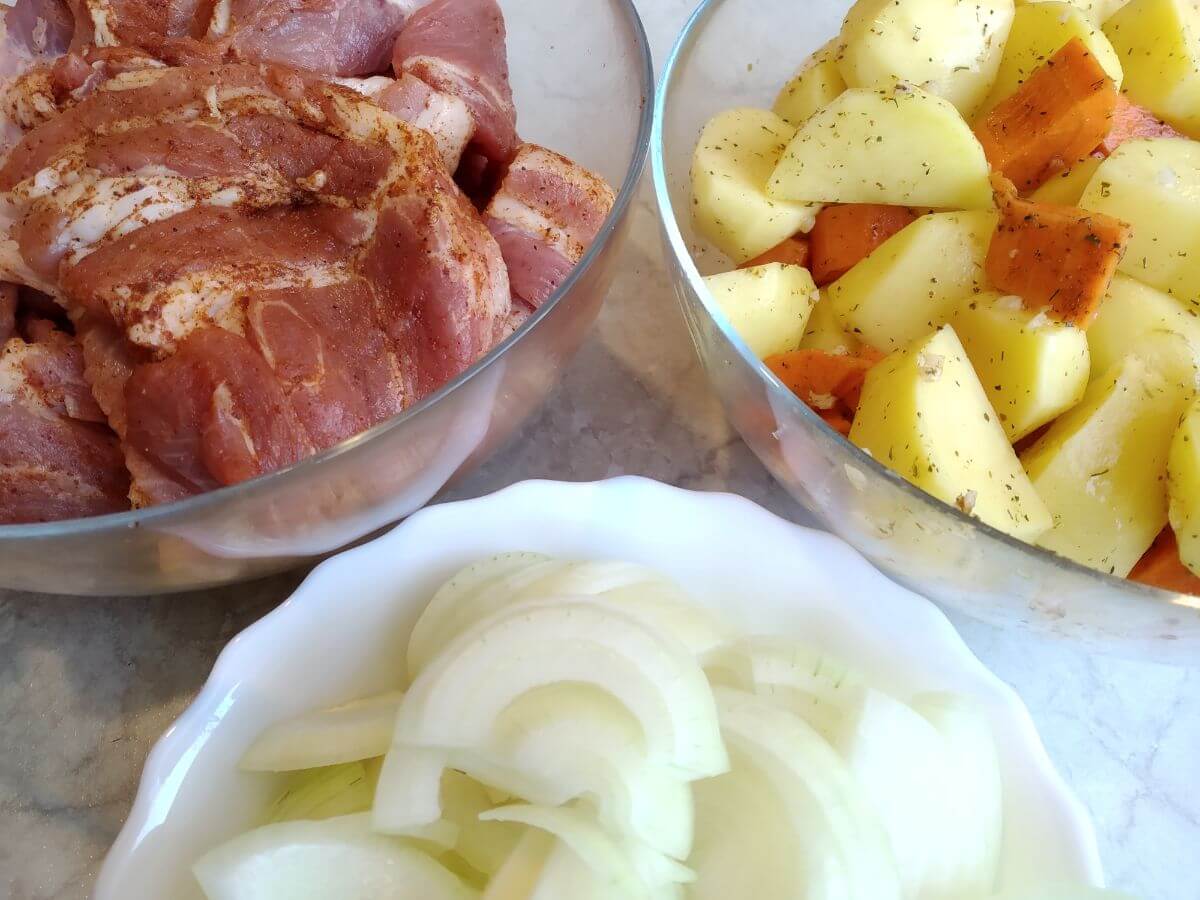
585 730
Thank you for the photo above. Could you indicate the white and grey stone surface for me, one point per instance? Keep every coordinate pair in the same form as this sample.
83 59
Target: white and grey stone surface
86 686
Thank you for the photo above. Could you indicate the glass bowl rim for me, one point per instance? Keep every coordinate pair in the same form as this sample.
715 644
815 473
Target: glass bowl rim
136 518
683 258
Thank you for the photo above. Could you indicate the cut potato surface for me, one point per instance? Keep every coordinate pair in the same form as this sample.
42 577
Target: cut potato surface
1131 310
736 156
1159 44
1183 474
1032 368
1039 30
900 146
915 280
924 414
824 331
1101 468
1097 11
951 48
1066 188
1154 185
817 84
768 306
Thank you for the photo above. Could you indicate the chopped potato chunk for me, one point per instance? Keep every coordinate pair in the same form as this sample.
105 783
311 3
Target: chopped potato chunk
924 414
901 147
915 280
737 152
1101 468
1032 367
767 305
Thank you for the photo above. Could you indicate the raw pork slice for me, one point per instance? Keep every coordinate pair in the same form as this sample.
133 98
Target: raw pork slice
260 264
458 48
58 459
332 37
544 217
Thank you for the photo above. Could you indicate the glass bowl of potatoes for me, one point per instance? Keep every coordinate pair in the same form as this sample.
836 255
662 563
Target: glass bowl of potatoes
933 258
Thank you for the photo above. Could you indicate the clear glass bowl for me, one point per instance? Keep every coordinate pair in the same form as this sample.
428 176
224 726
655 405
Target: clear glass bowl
739 53
583 80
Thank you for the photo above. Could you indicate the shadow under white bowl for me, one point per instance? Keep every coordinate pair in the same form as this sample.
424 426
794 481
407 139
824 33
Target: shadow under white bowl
343 635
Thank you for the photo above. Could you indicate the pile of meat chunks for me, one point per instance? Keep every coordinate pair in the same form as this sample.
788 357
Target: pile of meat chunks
236 232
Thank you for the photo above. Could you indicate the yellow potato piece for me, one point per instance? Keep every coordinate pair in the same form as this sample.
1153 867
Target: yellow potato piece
1032 368
951 48
1159 45
1039 30
1066 188
1154 185
1183 487
900 146
817 84
924 414
1097 11
914 281
1101 468
825 332
737 152
767 305
1132 309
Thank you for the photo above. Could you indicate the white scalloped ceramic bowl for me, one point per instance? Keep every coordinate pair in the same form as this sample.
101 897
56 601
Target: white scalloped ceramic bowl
342 635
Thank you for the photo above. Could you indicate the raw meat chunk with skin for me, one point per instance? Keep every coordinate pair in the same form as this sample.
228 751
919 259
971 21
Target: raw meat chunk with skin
33 33
58 460
458 48
443 115
259 264
332 37
544 217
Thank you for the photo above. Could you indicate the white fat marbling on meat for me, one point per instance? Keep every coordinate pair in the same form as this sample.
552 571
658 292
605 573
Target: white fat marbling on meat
162 318
368 87
101 13
449 120
533 158
224 411
218 25
467 79
99 209
533 221
138 78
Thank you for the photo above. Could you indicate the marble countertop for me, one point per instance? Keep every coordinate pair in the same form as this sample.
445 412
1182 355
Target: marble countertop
86 686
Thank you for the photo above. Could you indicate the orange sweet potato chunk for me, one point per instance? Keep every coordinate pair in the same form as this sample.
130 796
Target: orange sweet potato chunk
1062 112
1162 568
829 383
1059 257
843 235
792 252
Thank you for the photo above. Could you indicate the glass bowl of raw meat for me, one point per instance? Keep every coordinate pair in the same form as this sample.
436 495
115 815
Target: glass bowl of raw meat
273 273
933 259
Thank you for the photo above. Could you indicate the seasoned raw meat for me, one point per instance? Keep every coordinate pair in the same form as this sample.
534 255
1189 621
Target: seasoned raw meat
458 47
260 265
544 217
33 33
58 459
444 116
333 37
